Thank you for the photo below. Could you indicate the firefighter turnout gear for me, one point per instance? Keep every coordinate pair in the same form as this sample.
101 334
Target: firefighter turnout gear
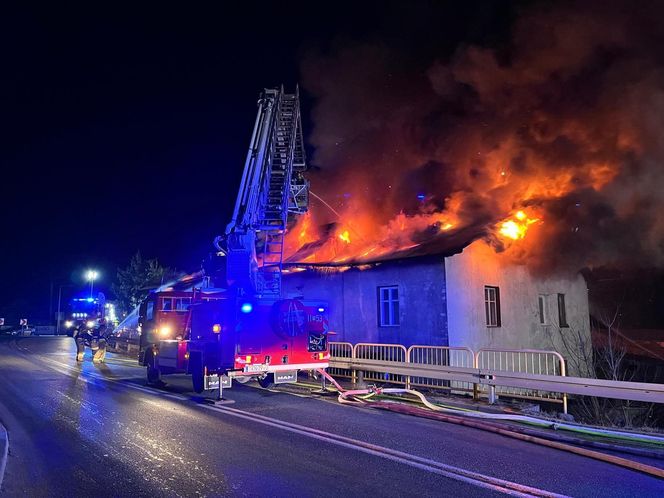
94 338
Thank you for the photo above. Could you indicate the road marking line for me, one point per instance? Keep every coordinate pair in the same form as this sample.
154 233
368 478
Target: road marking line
4 438
85 376
449 471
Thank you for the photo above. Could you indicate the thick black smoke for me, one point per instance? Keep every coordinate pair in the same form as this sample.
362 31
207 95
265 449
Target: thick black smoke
563 118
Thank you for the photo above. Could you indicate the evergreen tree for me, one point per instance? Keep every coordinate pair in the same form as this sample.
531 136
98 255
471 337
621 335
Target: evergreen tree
136 280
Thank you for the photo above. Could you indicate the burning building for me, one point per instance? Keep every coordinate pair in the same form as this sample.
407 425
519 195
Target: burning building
446 293
462 188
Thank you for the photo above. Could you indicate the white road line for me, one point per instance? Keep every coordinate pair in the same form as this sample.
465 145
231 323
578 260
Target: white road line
122 382
456 473
450 471
4 441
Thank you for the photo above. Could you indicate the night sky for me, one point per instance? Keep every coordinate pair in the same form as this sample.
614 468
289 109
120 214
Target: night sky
125 129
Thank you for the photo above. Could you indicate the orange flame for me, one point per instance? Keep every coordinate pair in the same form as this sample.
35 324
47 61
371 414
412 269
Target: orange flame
516 227
345 236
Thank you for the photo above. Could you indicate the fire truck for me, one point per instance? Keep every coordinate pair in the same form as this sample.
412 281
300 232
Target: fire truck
246 329
84 311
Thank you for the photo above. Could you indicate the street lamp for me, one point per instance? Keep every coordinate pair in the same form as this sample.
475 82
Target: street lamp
91 276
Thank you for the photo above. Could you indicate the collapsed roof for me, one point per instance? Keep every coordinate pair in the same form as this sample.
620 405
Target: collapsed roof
428 243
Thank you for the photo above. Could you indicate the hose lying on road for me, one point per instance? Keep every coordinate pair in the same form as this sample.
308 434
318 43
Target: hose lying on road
466 418
549 424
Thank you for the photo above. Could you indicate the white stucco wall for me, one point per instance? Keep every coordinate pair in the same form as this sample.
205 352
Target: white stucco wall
478 265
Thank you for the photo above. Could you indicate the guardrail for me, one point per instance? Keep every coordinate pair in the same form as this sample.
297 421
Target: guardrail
530 374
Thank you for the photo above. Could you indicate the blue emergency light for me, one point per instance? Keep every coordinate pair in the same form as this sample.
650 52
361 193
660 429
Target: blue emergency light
246 308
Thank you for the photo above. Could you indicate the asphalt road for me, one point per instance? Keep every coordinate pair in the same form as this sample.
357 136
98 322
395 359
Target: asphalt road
97 430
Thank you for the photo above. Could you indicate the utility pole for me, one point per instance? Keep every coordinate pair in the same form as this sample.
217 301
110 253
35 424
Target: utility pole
57 326
50 304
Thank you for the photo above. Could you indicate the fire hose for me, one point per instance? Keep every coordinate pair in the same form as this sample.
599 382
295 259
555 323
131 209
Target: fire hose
465 418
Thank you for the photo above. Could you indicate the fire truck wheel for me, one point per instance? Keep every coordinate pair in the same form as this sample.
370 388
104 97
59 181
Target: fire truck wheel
154 375
267 381
196 369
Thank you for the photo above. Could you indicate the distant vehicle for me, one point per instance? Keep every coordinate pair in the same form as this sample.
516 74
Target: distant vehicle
82 310
17 331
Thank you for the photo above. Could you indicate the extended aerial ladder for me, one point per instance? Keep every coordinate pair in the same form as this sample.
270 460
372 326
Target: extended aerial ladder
246 329
272 189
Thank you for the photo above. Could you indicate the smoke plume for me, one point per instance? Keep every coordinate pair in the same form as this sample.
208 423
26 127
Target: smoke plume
563 121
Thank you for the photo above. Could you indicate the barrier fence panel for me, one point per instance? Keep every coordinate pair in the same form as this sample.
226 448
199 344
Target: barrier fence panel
382 352
341 350
530 361
441 356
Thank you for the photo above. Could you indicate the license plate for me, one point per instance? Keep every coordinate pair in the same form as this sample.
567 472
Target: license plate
258 367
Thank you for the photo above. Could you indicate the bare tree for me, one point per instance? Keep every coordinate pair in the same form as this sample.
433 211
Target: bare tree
605 359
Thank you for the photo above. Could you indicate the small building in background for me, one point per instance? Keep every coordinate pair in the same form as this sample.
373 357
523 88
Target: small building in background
447 296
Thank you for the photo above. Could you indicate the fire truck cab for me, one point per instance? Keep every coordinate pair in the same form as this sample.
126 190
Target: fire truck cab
209 335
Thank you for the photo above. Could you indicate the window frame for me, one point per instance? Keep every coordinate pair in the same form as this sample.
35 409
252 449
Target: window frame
393 302
542 309
175 302
562 311
488 302
178 301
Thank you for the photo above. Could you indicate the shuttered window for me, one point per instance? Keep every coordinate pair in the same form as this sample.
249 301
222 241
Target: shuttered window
543 315
562 311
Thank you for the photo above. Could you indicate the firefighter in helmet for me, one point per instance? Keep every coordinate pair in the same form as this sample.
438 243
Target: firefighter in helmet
98 344
81 335
93 335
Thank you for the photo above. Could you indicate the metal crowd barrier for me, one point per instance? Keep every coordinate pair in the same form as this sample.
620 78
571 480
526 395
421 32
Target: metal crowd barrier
384 353
529 361
342 350
456 369
441 356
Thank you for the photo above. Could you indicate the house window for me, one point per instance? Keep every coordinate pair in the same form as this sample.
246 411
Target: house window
492 306
166 304
388 306
150 311
543 314
562 311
